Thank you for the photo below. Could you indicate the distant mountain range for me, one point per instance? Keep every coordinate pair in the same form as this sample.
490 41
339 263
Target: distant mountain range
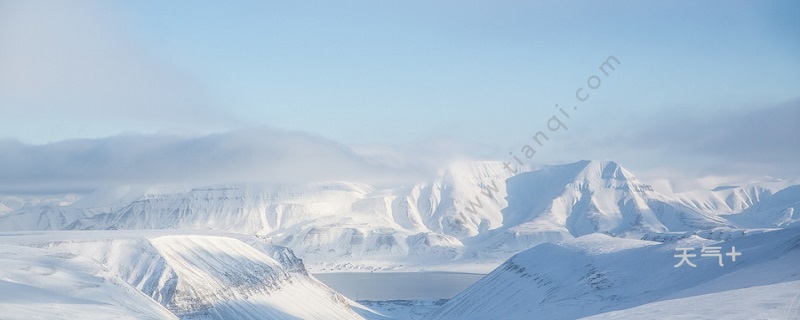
474 212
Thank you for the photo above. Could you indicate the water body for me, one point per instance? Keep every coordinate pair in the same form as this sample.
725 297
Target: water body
399 285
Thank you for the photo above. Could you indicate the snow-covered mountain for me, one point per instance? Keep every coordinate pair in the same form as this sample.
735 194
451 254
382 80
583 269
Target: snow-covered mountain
779 210
471 211
585 230
586 197
36 283
730 195
602 275
348 223
158 275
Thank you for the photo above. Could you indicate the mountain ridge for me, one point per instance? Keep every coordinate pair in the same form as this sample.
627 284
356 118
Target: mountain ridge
344 225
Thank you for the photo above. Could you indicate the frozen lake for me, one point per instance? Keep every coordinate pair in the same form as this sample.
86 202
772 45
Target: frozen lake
399 285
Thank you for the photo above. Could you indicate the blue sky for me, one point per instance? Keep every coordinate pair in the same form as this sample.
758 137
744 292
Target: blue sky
477 77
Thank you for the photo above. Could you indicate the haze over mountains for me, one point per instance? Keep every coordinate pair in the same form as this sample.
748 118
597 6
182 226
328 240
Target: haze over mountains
456 216
577 235
295 160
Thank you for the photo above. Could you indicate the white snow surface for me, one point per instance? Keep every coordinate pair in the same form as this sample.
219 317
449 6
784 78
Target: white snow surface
605 277
776 301
471 215
38 283
588 239
158 275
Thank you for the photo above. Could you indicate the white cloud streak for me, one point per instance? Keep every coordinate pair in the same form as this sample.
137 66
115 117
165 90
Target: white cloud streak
759 140
256 155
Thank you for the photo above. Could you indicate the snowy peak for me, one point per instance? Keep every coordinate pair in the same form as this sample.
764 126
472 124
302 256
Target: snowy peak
599 174
572 193
469 170
585 197
469 210
468 195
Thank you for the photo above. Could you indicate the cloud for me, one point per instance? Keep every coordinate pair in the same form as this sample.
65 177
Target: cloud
762 140
431 152
255 155
76 65
757 140
753 142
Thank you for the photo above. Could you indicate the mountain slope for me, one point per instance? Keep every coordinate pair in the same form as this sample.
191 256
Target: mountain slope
596 273
193 275
721 195
775 301
586 197
37 283
348 223
470 211
779 210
